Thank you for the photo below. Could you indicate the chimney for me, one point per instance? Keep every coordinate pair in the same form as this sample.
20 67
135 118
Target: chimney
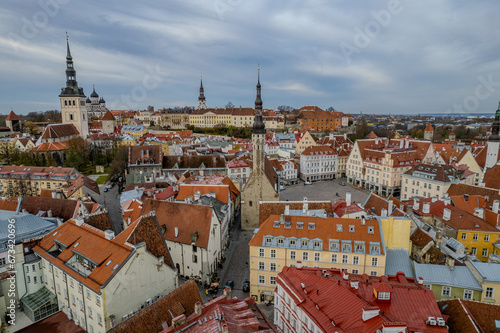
496 204
348 198
446 214
49 213
176 231
446 195
439 237
179 320
426 207
479 212
390 208
416 204
109 234
435 198
197 308
54 194
420 280
197 195
299 264
305 205
345 275
383 212
227 293
287 209
225 328
447 201
363 220
79 222
450 262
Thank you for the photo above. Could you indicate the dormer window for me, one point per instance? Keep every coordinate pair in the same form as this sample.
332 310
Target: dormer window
371 230
311 226
300 225
334 246
384 295
276 224
288 225
339 227
269 240
351 228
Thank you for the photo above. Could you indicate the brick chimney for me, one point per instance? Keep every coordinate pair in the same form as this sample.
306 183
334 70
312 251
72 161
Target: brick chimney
197 308
228 293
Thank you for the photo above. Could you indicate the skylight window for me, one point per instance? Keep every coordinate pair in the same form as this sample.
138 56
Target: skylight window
109 262
76 245
116 266
55 233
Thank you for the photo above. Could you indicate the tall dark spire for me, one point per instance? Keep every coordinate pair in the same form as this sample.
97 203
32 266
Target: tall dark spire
71 84
495 131
202 91
258 125
202 104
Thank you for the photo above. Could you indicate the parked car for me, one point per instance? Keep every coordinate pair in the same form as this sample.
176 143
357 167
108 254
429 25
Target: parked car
342 183
307 183
282 188
106 189
246 286
229 283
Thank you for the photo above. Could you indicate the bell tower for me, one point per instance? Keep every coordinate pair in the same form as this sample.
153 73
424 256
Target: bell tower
73 107
202 104
258 132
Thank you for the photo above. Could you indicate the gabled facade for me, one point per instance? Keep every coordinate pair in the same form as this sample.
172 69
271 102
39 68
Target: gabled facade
98 278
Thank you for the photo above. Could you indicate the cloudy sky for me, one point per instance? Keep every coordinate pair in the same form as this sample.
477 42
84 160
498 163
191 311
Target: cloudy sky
370 56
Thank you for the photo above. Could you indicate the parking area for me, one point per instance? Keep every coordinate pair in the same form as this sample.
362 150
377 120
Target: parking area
324 190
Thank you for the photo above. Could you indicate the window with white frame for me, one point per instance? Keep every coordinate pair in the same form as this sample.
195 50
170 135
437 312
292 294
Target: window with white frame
490 292
464 236
485 252
262 279
446 291
305 256
374 261
345 259
334 258
475 237
468 294
373 273
273 253
317 256
355 271
486 238
384 295
262 252
261 265
292 255
272 280
355 260
272 267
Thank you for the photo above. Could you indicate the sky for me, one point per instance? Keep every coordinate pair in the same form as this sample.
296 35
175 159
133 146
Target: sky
375 57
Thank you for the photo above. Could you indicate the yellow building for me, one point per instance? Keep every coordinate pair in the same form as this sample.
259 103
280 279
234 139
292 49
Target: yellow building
31 180
488 275
354 245
137 131
396 231
126 140
480 242
303 140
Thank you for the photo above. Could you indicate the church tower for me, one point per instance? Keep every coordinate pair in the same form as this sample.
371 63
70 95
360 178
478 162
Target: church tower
202 104
428 132
73 107
262 184
493 142
258 132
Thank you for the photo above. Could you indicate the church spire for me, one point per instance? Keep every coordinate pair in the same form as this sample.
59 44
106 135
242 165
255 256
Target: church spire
68 52
495 131
201 99
258 125
71 84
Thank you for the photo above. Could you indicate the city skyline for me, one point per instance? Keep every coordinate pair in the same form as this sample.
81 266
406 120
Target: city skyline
392 57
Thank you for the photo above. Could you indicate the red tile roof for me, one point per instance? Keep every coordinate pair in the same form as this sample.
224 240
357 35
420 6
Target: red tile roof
180 301
470 316
57 323
235 315
54 131
51 146
188 190
319 150
268 208
491 177
188 219
92 244
324 228
429 128
410 303
108 116
12 116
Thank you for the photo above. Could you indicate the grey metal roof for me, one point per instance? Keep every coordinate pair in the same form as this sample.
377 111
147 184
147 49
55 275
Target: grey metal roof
26 225
310 212
489 271
460 276
132 194
398 260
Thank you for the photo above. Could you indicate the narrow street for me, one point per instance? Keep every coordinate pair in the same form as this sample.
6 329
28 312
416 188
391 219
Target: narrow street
111 201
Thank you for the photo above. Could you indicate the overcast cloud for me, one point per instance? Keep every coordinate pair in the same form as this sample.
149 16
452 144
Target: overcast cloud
371 56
